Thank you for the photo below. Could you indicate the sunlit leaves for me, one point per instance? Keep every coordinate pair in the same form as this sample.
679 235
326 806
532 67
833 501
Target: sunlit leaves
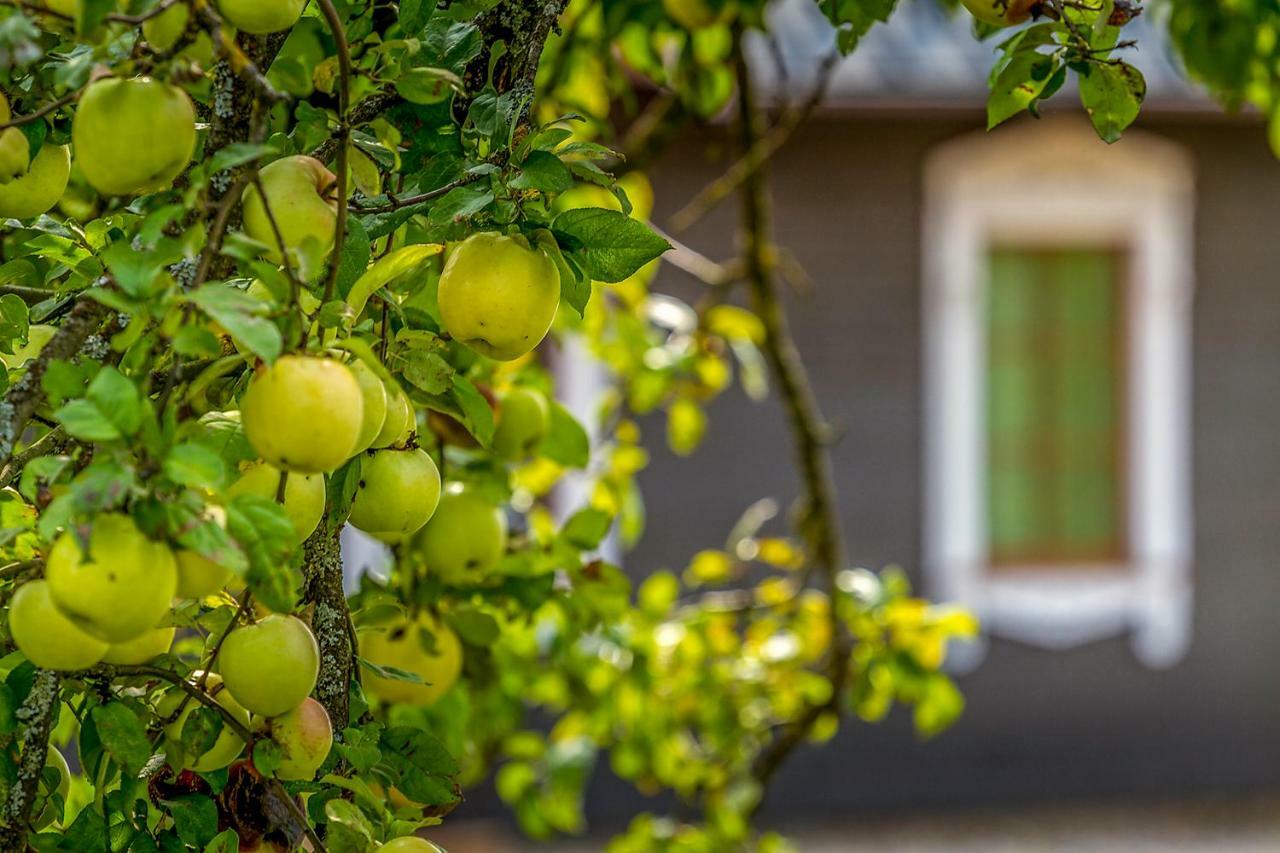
1112 94
610 244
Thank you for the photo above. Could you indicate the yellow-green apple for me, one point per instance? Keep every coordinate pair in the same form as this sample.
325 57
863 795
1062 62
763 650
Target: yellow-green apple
410 844
399 422
142 648
465 537
163 31
299 191
199 576
699 14
523 418
1000 13
374 396
397 493
121 587
303 495
47 637
305 736
40 188
228 745
498 295
271 665
303 413
133 136
261 16
428 648
15 151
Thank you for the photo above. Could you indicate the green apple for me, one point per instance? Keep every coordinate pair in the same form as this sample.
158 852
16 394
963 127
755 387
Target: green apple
133 136
374 396
299 192
142 648
428 648
261 16
497 295
397 493
271 665
225 749
699 14
15 151
40 188
305 736
1000 13
465 537
121 587
410 844
303 413
47 637
523 418
163 31
304 495
399 423
50 806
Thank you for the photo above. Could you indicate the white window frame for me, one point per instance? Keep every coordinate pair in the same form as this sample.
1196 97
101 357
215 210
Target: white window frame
1047 183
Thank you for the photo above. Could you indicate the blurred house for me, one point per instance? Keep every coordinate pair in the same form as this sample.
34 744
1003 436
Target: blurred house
1055 365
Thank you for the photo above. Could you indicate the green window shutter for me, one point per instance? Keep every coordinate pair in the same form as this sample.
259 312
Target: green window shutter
1054 422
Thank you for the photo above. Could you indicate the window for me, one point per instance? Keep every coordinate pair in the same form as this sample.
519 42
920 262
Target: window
1056 327
1053 418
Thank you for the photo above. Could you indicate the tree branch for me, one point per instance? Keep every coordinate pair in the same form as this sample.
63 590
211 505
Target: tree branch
820 524
25 396
37 713
322 575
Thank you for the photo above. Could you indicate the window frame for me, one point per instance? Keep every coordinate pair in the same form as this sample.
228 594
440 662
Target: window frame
1052 183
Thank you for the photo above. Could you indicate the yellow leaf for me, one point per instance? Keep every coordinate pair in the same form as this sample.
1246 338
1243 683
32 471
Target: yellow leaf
710 567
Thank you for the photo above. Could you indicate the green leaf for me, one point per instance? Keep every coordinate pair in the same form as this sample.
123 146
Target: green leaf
355 256
426 768
566 442
474 626
428 85
1019 85
1112 94
267 756
118 399
414 15
83 421
123 735
476 411
360 747
427 370
460 203
195 817
586 528
267 536
543 171
243 317
226 841
196 466
15 322
611 245
201 729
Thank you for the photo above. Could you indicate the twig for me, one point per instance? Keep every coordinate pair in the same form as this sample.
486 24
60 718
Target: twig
397 202
43 111
194 690
765 145
696 264
54 441
362 113
343 138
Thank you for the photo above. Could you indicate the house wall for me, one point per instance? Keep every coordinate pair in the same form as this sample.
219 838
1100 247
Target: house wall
1086 723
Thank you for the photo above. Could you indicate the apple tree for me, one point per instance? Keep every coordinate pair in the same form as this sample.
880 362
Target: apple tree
270 268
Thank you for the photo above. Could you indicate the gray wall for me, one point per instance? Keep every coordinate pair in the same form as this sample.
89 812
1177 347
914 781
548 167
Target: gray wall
1087 723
